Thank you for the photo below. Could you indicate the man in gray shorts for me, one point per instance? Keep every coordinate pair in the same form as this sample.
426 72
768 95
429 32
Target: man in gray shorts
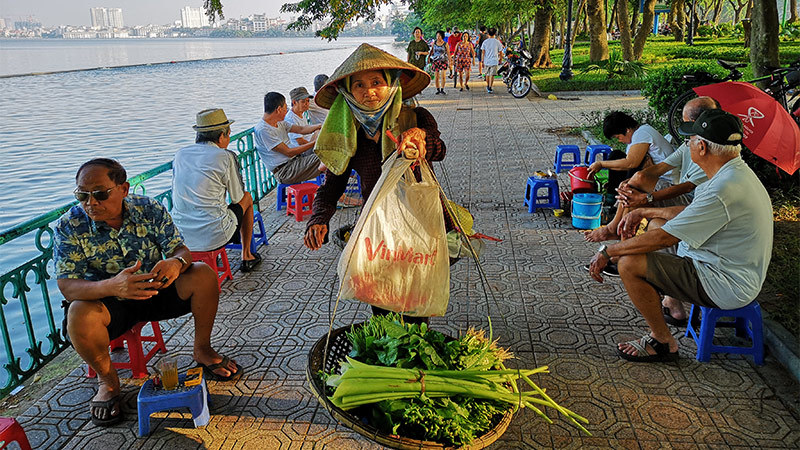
724 240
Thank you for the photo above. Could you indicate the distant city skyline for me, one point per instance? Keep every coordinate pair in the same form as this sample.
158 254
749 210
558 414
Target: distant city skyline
136 12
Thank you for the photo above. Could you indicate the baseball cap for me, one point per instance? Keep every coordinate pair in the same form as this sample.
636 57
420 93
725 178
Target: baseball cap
299 93
716 125
320 81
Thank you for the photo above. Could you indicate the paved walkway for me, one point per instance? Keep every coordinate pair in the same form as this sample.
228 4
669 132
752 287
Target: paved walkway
548 312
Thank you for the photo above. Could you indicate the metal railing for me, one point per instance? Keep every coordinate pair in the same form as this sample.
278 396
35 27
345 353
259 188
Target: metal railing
17 284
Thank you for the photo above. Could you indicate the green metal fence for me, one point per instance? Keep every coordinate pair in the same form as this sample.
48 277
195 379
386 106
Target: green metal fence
17 284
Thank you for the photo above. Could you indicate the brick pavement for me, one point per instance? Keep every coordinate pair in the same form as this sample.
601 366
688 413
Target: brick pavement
547 310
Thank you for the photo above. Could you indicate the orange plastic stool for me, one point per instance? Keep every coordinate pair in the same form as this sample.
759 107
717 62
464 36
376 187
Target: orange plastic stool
11 431
217 259
300 196
138 359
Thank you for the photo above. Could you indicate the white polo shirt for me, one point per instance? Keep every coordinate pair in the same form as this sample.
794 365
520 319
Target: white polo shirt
202 175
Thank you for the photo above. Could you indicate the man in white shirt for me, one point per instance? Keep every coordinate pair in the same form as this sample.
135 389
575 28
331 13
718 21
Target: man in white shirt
290 164
296 116
316 113
724 240
491 52
203 174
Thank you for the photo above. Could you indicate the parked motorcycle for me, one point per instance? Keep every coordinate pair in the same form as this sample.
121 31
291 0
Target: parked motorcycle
516 72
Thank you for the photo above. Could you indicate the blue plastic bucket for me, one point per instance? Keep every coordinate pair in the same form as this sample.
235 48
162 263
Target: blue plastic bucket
586 210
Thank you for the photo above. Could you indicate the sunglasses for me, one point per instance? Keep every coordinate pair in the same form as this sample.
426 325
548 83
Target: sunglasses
83 196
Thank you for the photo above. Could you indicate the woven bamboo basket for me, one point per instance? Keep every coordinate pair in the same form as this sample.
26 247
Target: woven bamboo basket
338 348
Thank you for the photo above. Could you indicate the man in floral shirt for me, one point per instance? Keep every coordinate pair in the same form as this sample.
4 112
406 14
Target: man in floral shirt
120 260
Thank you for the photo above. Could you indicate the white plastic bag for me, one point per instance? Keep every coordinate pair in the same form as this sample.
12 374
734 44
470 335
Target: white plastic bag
397 256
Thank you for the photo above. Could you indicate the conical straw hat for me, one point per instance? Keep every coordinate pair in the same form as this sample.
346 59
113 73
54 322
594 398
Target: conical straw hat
366 57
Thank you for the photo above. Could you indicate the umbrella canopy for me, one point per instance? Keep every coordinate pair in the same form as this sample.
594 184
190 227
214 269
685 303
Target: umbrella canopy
769 131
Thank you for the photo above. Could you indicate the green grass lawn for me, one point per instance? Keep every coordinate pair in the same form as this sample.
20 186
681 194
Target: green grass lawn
659 52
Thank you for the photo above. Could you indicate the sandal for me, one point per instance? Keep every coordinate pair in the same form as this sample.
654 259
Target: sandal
208 370
671 320
109 406
662 351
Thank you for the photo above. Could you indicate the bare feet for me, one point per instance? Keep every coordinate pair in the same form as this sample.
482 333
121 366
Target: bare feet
601 234
675 308
208 357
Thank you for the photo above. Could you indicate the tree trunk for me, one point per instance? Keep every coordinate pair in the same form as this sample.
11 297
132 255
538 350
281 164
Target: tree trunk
793 12
598 45
634 18
624 30
678 19
561 30
764 37
577 17
645 29
746 24
717 11
541 37
611 20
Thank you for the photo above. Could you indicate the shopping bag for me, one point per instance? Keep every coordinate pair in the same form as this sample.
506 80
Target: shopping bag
397 255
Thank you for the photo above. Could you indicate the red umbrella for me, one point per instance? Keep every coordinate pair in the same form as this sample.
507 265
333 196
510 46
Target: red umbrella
769 131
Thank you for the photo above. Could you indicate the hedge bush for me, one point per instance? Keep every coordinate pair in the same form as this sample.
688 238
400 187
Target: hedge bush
662 87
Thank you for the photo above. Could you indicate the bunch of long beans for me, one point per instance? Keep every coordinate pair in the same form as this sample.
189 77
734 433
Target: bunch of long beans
361 384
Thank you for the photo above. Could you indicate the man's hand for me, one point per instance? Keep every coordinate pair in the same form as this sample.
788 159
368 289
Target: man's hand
630 197
596 266
166 271
315 235
412 144
629 224
127 284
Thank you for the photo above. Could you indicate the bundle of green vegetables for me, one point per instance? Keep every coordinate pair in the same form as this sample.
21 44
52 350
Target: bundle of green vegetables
409 380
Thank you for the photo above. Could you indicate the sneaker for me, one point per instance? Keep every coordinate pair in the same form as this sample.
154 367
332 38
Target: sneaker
443 92
438 92
461 90
488 91
466 86
611 270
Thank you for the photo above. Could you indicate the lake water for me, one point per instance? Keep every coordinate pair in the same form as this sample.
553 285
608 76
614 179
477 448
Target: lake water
50 124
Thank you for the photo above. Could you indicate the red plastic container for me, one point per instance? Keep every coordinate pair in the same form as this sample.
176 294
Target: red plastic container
580 181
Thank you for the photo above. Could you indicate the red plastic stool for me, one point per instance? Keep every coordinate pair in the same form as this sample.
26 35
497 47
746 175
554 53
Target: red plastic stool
138 359
298 197
217 259
11 431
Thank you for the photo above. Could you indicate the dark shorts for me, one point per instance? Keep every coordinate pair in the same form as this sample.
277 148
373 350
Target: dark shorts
677 277
127 313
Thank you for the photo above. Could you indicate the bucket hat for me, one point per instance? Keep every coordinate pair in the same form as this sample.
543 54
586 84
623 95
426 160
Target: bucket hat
211 119
299 93
366 57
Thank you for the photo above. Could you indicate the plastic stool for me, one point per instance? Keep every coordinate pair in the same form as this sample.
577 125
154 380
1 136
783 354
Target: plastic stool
298 197
598 149
549 200
563 150
708 323
217 259
151 400
280 202
259 235
138 359
11 431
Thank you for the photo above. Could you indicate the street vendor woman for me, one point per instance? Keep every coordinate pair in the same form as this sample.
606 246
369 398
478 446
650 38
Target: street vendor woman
365 98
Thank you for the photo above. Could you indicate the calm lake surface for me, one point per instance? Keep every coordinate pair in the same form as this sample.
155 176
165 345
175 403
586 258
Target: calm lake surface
141 116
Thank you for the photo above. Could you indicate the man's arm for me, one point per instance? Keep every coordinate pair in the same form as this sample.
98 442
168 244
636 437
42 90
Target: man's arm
304 129
291 152
630 222
126 284
648 242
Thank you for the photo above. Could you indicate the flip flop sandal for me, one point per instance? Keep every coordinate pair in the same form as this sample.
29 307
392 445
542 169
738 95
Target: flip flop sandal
109 406
671 320
662 351
208 370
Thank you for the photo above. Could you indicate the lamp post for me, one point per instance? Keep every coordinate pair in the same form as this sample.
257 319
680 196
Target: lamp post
566 63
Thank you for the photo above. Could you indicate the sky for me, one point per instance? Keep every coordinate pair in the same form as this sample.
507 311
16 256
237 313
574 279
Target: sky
134 12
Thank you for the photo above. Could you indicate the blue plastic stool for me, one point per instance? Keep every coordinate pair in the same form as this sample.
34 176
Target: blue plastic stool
598 149
151 400
259 235
563 150
549 200
280 201
708 323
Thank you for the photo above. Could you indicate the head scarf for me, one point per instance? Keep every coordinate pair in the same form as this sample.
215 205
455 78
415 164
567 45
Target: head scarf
371 119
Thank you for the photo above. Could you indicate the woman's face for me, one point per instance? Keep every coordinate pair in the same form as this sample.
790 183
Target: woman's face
465 37
417 34
439 36
369 88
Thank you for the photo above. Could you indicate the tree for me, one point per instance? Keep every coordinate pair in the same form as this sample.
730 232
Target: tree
678 14
644 29
764 37
540 43
623 23
738 6
598 42
793 12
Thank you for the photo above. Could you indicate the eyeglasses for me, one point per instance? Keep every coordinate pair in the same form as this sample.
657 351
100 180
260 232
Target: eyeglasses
83 196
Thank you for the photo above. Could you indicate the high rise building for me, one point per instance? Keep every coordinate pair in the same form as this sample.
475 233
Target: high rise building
106 17
193 17
98 16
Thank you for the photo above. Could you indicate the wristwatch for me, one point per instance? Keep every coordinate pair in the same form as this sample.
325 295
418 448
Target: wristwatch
602 251
649 197
183 261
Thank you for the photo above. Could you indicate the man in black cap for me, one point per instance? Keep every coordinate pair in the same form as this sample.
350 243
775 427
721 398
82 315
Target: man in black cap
724 240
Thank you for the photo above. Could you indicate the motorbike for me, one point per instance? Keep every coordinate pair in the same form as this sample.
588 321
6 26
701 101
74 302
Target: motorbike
516 72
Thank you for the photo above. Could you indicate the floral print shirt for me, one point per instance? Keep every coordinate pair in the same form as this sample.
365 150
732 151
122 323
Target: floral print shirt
93 251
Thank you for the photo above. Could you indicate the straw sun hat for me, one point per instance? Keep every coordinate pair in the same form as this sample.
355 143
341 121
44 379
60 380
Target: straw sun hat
211 119
366 57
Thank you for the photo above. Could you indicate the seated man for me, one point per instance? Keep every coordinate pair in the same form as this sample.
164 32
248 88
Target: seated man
203 174
109 261
300 103
290 165
724 237
316 113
